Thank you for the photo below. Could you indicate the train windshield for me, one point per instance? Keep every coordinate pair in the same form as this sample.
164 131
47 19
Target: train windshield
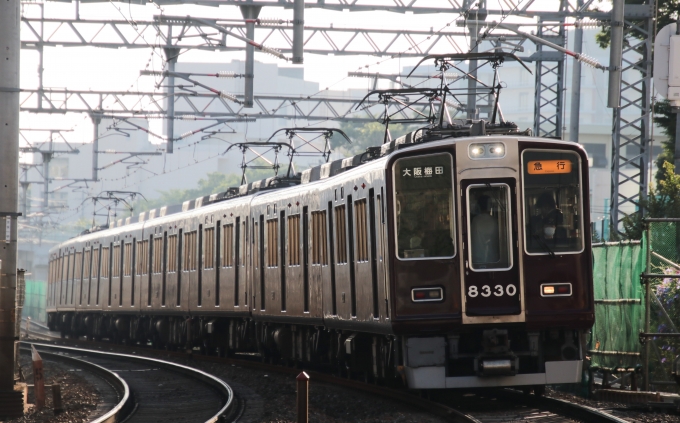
489 230
552 202
424 206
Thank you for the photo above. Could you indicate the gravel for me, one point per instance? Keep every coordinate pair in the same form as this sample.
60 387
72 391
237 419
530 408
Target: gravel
79 397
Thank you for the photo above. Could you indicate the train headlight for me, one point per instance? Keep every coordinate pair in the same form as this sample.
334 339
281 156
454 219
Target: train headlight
419 295
486 151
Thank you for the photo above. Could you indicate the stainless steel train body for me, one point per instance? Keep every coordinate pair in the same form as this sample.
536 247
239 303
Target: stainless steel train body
438 262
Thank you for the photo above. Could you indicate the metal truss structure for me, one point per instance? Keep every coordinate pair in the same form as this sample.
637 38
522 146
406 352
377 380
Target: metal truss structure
631 135
173 34
194 106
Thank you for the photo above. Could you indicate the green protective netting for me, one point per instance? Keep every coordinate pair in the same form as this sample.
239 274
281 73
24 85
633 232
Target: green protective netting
35 301
616 276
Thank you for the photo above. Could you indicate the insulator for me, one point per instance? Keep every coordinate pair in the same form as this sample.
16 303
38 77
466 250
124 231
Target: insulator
226 74
590 61
271 21
228 96
109 151
587 24
188 117
451 75
273 52
186 135
455 106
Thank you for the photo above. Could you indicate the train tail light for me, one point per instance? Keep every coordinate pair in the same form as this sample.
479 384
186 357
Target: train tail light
556 290
427 294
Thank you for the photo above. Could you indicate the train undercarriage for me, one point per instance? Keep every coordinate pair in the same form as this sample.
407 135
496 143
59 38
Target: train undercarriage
471 358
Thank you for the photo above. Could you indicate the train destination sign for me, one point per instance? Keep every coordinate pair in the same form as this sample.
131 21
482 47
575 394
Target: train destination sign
422 172
545 167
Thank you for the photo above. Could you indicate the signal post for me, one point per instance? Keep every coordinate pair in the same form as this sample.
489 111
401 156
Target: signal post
11 401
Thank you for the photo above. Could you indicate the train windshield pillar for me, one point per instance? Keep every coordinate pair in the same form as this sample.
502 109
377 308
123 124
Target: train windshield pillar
552 202
424 206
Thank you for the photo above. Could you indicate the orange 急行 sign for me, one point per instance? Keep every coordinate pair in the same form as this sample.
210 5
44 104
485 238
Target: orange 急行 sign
546 167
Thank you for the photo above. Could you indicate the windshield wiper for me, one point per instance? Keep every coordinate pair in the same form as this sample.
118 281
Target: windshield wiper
544 245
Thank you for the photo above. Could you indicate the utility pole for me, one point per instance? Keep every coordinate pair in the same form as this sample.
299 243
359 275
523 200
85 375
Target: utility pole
11 402
574 115
250 13
171 55
677 120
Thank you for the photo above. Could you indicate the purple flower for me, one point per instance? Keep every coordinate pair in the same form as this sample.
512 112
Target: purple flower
663 360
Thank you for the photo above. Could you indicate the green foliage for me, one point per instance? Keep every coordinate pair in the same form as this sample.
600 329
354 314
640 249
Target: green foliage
666 119
667 12
370 134
213 182
662 201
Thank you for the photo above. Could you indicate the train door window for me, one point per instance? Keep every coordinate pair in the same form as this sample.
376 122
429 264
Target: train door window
362 235
142 257
209 248
78 273
157 265
127 261
228 245
294 240
133 247
190 252
489 227
272 242
340 235
95 272
553 212
116 261
423 207
319 241
172 253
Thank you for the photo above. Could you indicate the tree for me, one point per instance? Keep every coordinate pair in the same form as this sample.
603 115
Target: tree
666 119
667 12
663 201
370 134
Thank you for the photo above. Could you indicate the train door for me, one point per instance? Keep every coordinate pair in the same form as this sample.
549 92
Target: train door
490 254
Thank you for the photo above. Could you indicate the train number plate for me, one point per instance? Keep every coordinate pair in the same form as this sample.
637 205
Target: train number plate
489 290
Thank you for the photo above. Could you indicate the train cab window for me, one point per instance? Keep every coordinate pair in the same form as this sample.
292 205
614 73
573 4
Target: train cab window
552 202
489 233
423 206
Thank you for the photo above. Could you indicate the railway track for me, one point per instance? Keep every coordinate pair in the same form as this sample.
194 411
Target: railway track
492 406
156 389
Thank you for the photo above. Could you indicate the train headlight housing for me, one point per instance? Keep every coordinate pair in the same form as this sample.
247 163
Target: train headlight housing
556 290
494 150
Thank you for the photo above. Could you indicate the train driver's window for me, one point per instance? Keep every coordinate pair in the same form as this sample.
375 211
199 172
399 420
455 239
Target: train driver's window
423 206
488 209
552 202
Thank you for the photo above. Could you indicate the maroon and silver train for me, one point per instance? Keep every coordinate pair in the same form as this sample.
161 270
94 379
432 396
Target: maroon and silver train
447 258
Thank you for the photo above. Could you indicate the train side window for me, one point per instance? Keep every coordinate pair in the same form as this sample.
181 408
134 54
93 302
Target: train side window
362 235
294 240
157 264
86 266
127 262
77 273
116 261
340 235
228 245
553 206
172 253
319 240
190 252
209 248
489 227
142 257
272 242
423 207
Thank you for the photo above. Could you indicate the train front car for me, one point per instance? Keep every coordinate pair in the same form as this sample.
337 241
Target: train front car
491 266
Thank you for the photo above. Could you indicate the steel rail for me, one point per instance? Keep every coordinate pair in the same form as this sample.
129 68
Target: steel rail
205 377
120 410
